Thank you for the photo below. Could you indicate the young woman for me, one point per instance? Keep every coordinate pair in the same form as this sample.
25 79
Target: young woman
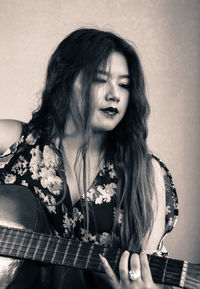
84 155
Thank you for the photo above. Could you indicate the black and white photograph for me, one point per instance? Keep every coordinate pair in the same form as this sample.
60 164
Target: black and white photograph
99 144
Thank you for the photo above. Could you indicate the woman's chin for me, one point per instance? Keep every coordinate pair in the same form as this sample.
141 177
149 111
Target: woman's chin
103 129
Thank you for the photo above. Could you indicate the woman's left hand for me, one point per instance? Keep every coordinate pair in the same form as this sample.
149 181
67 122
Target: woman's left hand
138 277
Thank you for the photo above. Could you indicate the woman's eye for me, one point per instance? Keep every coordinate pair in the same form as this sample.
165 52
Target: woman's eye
124 85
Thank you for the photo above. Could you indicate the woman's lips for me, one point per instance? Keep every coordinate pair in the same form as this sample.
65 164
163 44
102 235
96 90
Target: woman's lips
110 111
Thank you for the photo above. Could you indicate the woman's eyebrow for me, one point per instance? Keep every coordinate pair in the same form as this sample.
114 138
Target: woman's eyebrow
103 72
124 76
107 73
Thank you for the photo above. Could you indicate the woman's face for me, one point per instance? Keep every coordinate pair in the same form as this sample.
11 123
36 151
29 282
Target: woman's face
110 93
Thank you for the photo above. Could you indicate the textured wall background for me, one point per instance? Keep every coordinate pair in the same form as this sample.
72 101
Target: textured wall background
166 33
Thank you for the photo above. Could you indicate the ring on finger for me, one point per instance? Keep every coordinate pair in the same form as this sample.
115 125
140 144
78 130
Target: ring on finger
134 274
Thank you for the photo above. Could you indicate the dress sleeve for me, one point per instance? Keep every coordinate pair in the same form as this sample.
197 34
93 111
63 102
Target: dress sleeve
172 207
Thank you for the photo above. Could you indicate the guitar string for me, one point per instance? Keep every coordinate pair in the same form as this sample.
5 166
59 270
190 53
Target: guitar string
35 237
56 239
80 263
61 252
94 265
93 258
191 279
71 255
29 239
190 286
195 284
40 249
87 245
194 266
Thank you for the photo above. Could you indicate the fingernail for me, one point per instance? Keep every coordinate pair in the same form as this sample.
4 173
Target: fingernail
102 258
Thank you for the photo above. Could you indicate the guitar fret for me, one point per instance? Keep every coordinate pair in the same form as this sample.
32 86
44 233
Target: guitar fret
89 255
29 247
60 250
174 270
13 244
103 255
75 259
19 250
158 267
45 250
50 249
66 251
115 266
55 251
183 274
37 247
6 241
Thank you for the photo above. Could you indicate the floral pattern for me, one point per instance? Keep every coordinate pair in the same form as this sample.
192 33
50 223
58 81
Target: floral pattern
39 167
101 193
70 223
10 179
21 166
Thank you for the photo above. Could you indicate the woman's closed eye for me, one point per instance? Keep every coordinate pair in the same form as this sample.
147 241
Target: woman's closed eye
124 85
102 80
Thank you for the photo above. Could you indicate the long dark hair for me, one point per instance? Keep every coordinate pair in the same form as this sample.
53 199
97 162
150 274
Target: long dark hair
85 50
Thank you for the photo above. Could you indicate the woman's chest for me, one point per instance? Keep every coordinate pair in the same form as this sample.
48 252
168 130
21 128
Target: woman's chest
43 172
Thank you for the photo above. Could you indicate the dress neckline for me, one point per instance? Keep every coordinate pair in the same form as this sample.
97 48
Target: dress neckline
102 171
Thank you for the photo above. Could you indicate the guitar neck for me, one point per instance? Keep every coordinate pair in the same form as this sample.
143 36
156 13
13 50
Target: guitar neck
26 244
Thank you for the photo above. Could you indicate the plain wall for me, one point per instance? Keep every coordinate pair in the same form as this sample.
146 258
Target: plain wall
166 34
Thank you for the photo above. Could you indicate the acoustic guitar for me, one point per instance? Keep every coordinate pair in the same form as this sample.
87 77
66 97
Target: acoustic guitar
25 235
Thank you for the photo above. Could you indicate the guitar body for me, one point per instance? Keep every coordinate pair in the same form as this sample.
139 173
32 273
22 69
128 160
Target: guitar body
19 208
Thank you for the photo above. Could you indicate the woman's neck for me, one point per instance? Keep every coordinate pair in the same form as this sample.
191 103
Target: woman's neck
71 142
73 137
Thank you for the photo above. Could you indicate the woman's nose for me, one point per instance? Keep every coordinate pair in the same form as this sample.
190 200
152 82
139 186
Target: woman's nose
112 94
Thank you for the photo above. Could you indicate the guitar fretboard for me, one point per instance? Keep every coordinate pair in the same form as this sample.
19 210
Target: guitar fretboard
26 244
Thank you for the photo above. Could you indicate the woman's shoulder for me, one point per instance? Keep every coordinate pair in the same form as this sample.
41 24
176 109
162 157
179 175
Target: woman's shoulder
10 132
161 172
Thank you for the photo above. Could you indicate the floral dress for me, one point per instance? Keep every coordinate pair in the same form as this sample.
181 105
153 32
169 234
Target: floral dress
39 166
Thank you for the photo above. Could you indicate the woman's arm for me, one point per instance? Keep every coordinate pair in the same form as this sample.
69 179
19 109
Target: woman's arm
10 132
150 245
